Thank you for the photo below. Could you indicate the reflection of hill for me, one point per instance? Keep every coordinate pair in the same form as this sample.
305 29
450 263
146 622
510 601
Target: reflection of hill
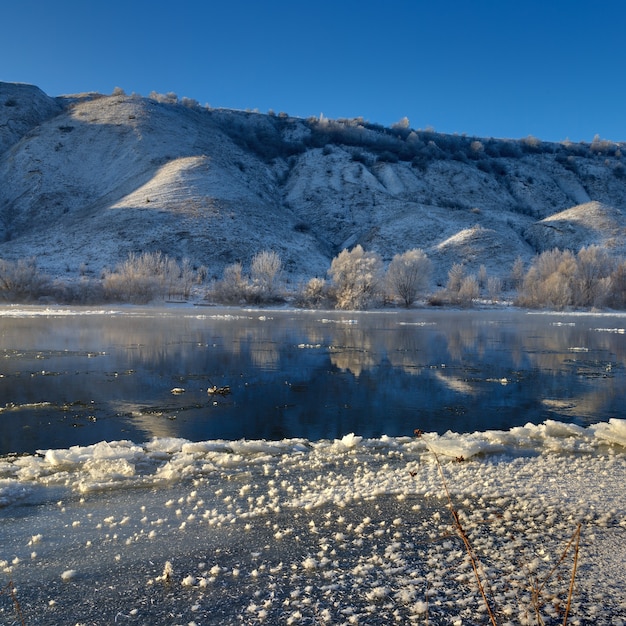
294 375
151 424
352 360
353 349
455 384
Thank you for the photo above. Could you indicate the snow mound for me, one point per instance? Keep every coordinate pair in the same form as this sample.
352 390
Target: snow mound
592 223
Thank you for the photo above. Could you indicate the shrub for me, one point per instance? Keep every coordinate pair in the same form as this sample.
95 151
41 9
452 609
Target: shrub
314 294
143 277
469 291
592 281
517 273
356 276
408 274
233 286
617 295
494 287
261 286
455 279
558 278
85 291
265 271
21 280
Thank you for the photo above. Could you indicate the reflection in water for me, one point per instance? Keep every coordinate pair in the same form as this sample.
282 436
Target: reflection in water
78 379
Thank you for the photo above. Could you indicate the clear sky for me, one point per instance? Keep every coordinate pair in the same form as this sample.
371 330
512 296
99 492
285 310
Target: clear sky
554 69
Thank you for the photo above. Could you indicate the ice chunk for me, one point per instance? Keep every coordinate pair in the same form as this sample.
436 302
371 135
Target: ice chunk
613 432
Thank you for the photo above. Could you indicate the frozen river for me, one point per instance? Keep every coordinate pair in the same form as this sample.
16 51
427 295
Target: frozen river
304 496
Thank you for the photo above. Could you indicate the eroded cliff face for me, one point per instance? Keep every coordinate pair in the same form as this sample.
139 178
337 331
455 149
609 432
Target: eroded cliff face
84 180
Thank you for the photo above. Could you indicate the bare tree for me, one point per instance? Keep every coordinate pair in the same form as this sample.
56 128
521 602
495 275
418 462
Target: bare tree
408 275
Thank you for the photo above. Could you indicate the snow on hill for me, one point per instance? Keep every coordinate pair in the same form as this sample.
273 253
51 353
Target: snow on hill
86 179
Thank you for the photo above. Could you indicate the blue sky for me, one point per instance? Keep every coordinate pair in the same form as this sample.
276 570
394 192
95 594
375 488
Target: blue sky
554 69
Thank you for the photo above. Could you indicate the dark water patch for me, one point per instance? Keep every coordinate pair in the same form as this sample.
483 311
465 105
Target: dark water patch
78 379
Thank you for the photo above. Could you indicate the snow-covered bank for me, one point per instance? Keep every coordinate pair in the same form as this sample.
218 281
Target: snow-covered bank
346 531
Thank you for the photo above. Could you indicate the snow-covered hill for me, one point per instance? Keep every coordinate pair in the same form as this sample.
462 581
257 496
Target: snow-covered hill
86 179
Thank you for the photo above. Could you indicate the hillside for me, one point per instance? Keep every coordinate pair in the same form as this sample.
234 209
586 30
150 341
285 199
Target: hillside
86 179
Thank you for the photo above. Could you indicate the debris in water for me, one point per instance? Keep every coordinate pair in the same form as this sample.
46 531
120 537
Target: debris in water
222 391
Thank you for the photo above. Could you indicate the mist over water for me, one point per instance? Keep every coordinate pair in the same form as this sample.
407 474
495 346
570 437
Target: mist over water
72 378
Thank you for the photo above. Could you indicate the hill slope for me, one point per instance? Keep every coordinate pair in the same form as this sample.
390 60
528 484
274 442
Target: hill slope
86 179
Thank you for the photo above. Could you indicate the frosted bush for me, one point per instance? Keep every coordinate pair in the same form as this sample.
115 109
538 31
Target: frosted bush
314 294
558 279
265 271
231 289
143 277
468 291
408 275
356 277
262 286
21 280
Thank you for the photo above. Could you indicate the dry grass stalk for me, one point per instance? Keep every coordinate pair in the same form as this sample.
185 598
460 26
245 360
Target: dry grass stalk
468 546
574 568
538 587
9 588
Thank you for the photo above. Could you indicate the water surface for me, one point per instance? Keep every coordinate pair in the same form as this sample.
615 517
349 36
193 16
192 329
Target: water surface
79 376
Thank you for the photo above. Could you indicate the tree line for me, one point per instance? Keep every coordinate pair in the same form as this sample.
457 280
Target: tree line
356 280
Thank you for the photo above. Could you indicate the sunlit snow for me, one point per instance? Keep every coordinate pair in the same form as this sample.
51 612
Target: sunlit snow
348 531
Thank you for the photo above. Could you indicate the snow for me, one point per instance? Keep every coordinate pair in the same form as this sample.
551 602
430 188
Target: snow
218 186
351 530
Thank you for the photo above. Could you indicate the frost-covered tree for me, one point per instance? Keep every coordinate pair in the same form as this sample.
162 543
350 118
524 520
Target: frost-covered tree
233 286
402 124
469 291
482 277
558 278
617 295
517 273
592 281
494 287
265 271
461 288
456 274
408 275
549 281
260 286
356 276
